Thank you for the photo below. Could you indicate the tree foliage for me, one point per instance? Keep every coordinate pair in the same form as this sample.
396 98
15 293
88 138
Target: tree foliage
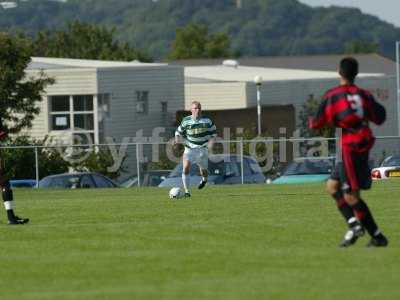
85 41
310 108
19 95
100 161
21 161
194 41
52 160
260 27
361 47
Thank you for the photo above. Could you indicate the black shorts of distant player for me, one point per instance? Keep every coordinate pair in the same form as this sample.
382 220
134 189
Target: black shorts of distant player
353 172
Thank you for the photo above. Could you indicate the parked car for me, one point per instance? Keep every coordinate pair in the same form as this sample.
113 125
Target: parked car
24 183
77 180
390 167
306 170
222 169
149 178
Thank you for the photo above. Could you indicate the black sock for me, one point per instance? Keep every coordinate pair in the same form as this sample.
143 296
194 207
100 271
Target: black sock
364 215
10 214
8 197
343 207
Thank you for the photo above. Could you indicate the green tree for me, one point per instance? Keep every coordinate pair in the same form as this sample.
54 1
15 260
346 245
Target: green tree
357 47
218 45
21 161
259 28
85 41
194 41
310 108
262 149
164 162
19 95
100 161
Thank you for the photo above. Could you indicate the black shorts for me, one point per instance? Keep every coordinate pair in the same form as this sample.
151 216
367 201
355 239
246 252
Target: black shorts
353 172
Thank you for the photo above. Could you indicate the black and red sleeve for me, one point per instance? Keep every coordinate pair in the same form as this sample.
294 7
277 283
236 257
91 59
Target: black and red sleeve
376 112
319 120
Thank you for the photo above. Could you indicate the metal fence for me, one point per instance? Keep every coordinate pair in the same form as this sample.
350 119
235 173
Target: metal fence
135 159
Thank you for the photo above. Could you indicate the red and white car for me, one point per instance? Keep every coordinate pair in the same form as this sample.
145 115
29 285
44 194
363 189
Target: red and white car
389 168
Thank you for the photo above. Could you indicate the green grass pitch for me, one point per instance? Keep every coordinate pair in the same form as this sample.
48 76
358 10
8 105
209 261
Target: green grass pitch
230 242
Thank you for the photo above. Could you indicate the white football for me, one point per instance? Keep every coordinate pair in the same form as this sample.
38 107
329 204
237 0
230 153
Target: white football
175 193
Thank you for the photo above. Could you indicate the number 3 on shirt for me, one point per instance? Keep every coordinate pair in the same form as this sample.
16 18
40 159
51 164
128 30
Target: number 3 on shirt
356 104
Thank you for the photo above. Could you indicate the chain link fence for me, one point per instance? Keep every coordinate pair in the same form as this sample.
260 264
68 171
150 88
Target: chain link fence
132 161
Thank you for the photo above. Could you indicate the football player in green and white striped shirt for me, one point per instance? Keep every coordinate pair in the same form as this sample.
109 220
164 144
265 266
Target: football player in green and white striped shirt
197 132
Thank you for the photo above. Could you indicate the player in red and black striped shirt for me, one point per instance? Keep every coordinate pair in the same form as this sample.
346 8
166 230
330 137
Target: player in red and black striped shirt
351 108
6 188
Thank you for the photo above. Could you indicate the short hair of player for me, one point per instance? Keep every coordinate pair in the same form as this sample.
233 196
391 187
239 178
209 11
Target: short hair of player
348 68
197 103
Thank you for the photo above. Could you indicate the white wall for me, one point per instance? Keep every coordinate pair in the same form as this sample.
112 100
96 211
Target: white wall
68 82
164 84
217 96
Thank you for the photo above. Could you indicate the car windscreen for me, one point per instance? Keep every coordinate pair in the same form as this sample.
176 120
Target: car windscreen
130 182
393 161
102 182
155 180
253 166
60 182
45 182
308 167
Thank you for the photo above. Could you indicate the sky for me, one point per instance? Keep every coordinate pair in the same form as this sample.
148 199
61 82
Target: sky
387 10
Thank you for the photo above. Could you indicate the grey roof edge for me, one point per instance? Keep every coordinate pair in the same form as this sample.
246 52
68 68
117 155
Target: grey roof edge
369 63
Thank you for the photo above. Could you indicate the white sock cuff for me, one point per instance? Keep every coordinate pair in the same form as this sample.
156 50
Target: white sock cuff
352 220
377 232
9 205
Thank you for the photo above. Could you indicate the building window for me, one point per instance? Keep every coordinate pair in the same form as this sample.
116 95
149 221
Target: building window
83 102
60 113
59 103
83 112
60 122
142 102
104 113
83 121
75 114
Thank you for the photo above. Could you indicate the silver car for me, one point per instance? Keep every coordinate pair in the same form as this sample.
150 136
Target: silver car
222 169
77 180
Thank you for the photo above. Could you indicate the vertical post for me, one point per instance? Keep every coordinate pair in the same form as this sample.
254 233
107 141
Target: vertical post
398 85
96 119
258 81
241 161
259 109
138 164
37 166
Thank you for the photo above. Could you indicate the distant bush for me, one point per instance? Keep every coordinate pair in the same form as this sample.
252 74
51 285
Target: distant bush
20 162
